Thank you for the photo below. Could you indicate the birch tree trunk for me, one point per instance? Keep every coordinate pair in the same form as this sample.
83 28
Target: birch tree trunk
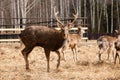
52 4
84 11
79 8
93 14
2 13
92 7
100 17
14 14
98 13
118 18
25 9
106 15
111 16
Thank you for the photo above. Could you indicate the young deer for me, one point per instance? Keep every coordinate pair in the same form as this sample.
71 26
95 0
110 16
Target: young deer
48 38
107 43
72 41
72 44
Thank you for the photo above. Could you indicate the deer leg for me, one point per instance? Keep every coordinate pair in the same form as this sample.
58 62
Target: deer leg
63 52
73 54
113 54
47 54
119 58
100 52
73 48
115 57
76 51
108 54
64 56
58 64
25 53
99 57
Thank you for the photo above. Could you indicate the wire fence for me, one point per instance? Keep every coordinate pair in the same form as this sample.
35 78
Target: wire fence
10 32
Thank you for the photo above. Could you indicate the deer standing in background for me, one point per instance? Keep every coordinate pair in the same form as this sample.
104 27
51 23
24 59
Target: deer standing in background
107 44
48 38
72 40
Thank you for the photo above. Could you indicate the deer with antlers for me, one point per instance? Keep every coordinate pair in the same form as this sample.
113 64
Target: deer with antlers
49 39
72 40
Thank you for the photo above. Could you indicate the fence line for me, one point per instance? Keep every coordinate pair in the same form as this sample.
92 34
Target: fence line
10 32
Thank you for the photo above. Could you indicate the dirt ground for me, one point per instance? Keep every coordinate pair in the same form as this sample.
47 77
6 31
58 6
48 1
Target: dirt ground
12 64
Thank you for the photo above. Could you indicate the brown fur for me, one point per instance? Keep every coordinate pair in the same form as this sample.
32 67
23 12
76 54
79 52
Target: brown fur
106 43
109 44
48 38
72 42
117 47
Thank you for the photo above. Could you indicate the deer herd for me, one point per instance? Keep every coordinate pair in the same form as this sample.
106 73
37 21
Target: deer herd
51 39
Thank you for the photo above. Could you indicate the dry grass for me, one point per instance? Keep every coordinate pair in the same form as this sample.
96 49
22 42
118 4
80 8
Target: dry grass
12 65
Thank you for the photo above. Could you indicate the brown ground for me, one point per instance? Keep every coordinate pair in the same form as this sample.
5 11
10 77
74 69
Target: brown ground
12 65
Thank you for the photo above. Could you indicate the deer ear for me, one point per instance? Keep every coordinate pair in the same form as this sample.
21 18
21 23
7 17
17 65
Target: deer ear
116 31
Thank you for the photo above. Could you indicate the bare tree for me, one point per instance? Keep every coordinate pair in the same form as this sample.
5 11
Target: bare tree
111 16
92 8
25 8
106 15
118 19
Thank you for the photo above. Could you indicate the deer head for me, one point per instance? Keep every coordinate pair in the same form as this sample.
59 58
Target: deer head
117 33
68 25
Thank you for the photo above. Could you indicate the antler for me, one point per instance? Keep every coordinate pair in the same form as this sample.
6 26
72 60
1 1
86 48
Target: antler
75 17
56 17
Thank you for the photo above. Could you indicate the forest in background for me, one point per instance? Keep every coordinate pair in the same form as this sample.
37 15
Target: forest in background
103 16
